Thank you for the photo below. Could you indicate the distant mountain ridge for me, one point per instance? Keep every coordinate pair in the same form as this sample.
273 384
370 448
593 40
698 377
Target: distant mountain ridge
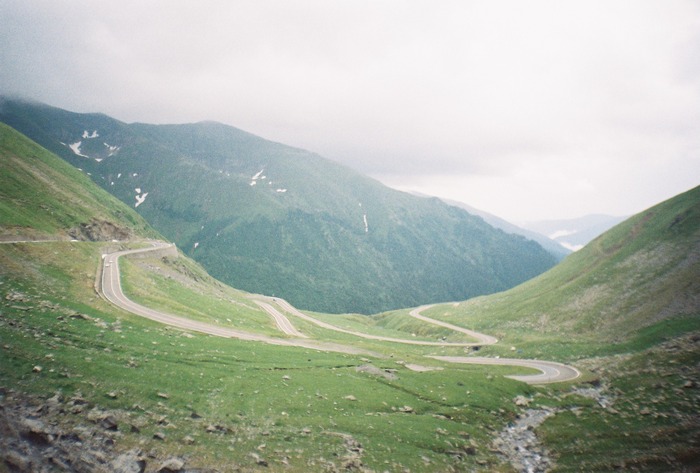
555 248
575 233
265 217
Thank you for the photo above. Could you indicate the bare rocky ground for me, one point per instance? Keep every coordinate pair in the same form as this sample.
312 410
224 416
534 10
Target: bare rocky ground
34 440
100 230
519 444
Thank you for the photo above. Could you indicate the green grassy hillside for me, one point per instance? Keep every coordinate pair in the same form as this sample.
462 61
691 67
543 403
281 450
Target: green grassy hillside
41 195
636 283
270 218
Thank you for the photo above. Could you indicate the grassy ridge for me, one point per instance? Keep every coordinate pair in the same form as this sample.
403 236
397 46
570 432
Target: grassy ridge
29 173
634 282
180 286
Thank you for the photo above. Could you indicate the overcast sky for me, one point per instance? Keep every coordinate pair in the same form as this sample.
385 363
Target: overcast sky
526 109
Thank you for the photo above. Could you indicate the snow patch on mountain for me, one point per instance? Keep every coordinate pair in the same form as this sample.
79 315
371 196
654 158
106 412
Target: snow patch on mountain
259 176
254 179
75 147
112 149
364 218
88 136
140 198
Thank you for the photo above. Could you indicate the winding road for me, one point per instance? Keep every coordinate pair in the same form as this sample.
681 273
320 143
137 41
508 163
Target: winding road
550 371
110 289
282 322
481 338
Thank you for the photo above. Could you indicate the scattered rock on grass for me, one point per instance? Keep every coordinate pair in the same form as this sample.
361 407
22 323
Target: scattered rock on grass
389 374
129 462
108 422
172 465
521 401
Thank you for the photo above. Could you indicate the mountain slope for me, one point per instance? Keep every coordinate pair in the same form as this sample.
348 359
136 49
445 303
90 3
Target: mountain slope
269 218
547 243
638 275
77 209
88 387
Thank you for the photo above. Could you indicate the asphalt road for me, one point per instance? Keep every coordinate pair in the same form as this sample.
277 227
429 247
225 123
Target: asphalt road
110 288
482 339
282 322
550 371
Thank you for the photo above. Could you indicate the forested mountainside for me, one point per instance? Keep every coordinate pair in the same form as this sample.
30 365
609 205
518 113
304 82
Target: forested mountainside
269 218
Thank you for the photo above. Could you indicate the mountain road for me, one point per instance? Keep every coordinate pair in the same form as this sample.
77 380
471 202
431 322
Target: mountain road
110 288
481 338
550 372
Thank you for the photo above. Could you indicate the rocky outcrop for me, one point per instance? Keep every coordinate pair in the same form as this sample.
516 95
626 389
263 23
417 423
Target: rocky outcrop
99 230
32 441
